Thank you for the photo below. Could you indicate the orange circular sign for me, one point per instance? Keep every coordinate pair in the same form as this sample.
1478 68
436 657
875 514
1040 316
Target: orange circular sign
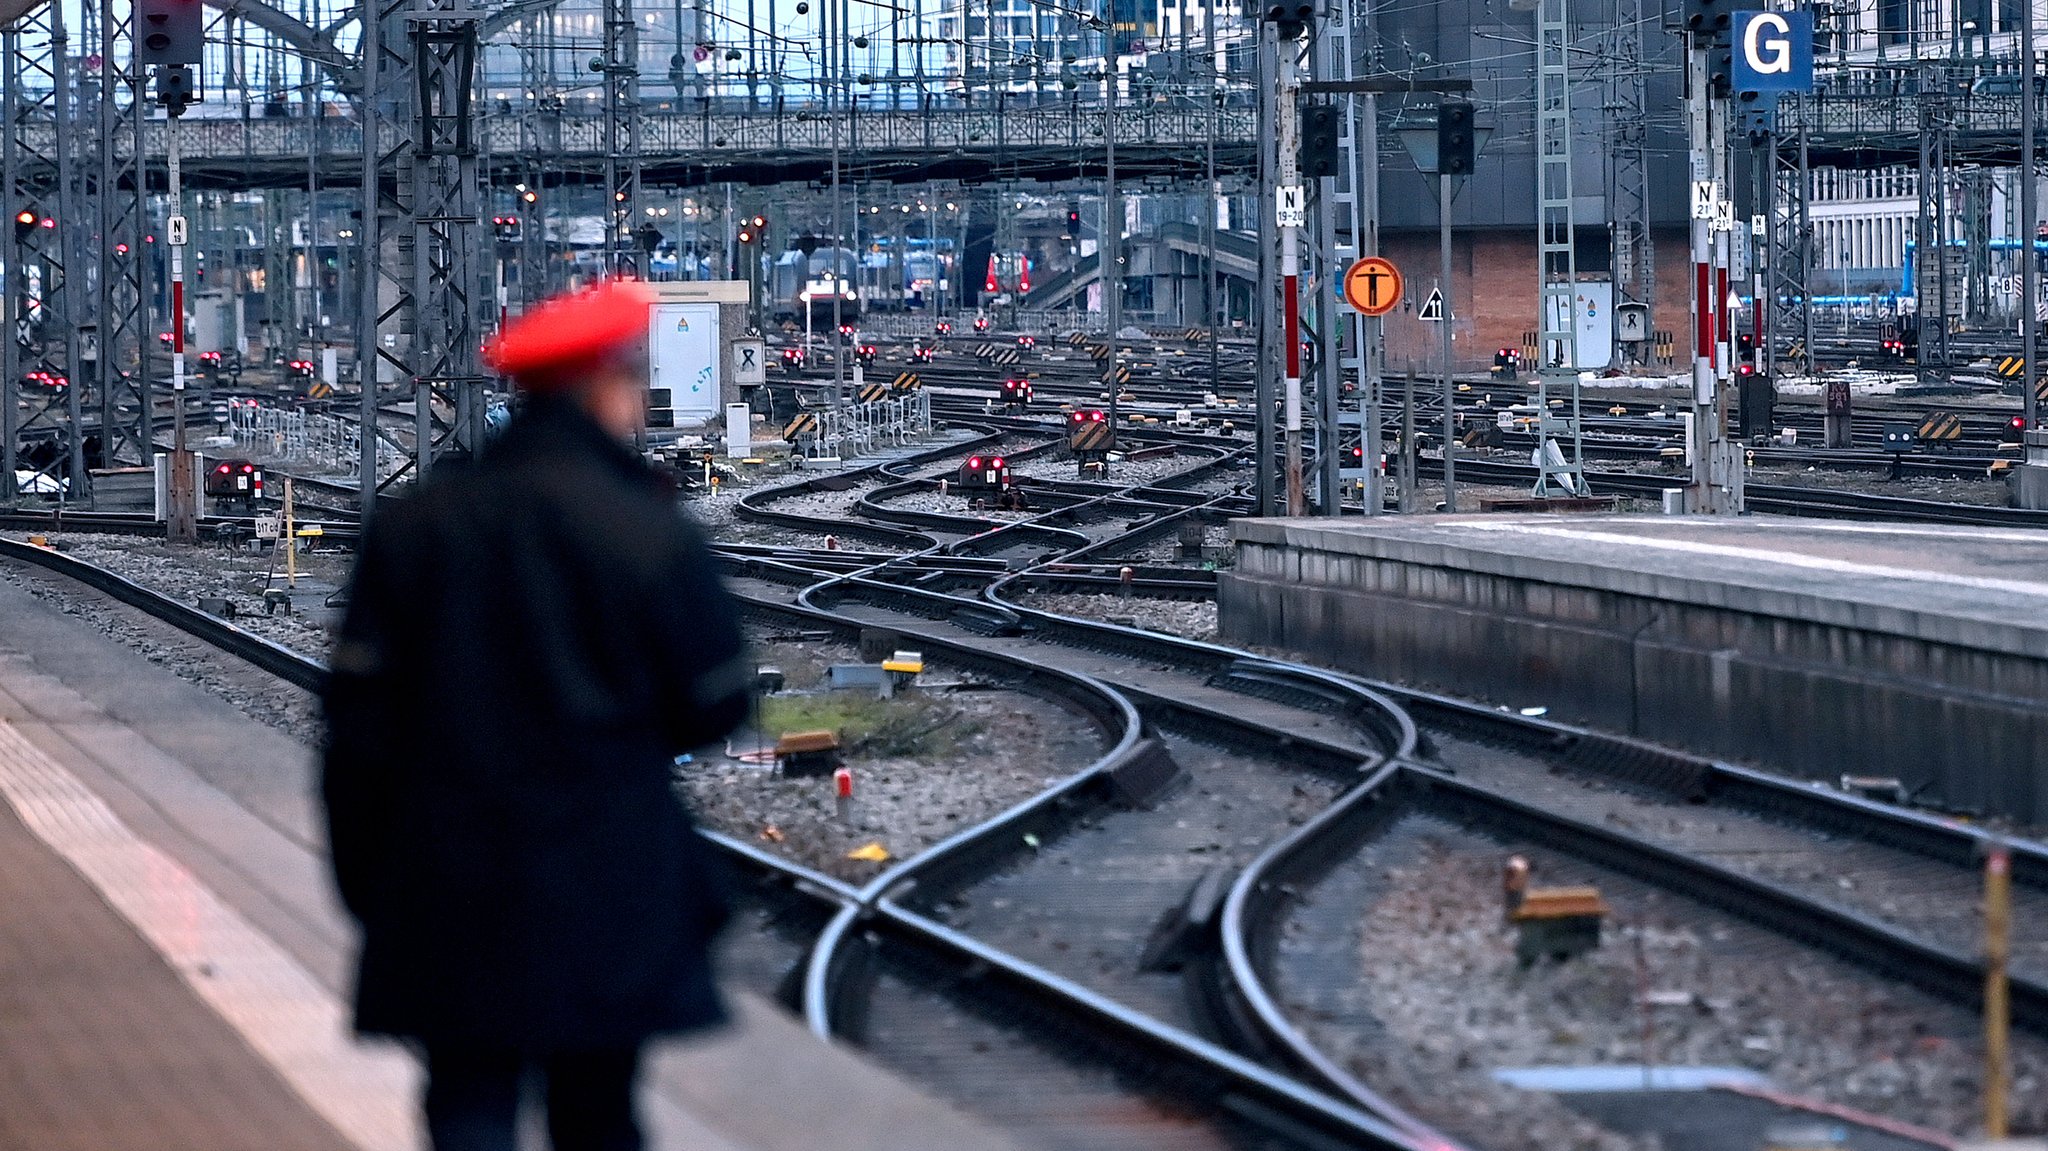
1373 286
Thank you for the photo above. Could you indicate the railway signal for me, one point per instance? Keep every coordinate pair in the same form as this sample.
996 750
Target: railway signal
170 32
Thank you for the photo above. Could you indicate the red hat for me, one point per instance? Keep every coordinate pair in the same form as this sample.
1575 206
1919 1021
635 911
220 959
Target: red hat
543 347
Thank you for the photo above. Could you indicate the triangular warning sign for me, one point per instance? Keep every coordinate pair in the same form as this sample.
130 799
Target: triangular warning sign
1432 308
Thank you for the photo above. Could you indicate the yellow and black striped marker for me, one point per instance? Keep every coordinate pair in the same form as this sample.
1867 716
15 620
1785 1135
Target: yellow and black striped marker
2012 367
1666 347
1077 339
1941 427
907 382
1007 357
318 390
869 393
1092 436
1197 335
804 425
1099 351
1118 376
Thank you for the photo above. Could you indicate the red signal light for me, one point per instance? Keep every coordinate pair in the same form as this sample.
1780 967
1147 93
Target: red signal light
2019 423
996 463
247 468
222 470
24 217
974 463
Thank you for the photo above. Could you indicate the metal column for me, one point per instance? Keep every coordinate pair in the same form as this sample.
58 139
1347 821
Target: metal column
422 230
39 179
621 137
1635 250
121 361
1557 262
1266 376
1347 205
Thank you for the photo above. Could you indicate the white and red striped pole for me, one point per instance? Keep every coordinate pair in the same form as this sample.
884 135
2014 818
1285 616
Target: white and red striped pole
1290 200
184 509
1706 304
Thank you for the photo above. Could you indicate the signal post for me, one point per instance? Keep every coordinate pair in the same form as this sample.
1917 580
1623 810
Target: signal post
170 34
1716 463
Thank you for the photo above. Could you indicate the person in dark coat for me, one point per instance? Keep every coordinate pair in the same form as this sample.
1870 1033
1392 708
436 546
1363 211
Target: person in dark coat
529 644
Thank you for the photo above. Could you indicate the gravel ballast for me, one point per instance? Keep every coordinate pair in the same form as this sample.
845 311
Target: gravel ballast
1452 1004
987 750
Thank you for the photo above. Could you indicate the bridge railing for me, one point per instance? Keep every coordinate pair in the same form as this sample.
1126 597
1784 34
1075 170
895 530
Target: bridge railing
1972 101
739 130
288 436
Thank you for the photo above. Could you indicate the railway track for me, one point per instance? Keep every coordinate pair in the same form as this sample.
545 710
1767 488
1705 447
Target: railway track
1779 499
947 965
1004 1034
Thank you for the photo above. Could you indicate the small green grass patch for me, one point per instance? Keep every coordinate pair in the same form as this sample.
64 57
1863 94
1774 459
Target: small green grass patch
910 726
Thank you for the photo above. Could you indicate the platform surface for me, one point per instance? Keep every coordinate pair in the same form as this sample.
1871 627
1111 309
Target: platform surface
174 968
1979 587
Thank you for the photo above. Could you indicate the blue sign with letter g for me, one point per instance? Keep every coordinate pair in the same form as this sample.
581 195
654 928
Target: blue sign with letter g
1773 52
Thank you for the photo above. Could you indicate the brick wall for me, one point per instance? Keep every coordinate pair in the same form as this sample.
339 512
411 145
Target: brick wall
1503 266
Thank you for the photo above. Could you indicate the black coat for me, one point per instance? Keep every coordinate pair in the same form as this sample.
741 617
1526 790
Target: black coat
528 645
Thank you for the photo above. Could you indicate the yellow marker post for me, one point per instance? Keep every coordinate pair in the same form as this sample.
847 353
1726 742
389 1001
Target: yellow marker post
291 540
1997 951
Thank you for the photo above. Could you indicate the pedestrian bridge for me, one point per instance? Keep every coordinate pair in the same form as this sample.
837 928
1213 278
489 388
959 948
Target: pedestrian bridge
747 145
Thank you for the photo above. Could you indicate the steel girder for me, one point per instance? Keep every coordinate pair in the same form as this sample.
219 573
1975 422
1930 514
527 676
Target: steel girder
40 343
621 137
1635 250
745 145
121 360
423 290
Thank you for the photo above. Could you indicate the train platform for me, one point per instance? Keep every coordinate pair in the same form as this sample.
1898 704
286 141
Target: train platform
174 968
1910 652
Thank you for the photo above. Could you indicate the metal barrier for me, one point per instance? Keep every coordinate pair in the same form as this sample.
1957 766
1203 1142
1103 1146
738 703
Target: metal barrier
858 429
289 436
1053 322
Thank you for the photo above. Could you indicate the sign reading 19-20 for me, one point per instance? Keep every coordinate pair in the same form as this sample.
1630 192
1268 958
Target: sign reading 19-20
1773 52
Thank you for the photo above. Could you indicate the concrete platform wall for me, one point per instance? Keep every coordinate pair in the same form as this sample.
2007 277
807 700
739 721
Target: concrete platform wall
1823 699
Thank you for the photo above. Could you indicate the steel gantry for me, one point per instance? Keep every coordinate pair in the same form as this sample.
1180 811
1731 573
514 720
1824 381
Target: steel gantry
621 73
1346 213
423 289
1557 259
39 350
1635 252
121 348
